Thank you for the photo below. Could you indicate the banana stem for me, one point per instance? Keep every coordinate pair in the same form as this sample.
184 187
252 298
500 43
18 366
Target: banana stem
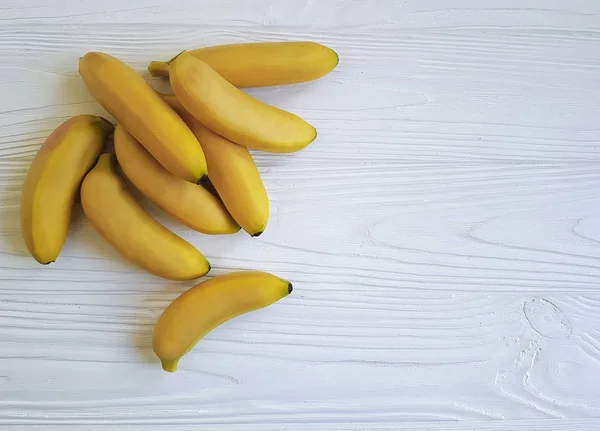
170 366
159 69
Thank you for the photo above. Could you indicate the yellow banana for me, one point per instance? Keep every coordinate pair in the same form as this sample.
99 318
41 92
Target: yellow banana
191 204
128 98
233 173
231 113
263 64
205 306
52 183
116 216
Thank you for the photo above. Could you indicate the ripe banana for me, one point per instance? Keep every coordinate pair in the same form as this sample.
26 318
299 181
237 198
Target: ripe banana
263 64
116 216
233 174
52 183
205 306
191 204
231 113
128 98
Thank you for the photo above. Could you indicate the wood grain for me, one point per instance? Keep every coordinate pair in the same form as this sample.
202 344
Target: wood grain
442 233
504 425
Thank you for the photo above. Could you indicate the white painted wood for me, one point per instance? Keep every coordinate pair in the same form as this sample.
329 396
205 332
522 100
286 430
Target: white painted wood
442 234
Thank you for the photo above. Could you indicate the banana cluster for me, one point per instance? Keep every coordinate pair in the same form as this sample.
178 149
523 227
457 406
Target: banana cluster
189 154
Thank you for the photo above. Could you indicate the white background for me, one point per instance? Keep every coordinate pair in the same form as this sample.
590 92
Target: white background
442 233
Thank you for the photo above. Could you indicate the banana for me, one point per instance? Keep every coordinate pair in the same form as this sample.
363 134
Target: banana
53 180
263 64
191 204
128 98
233 173
231 113
118 218
207 305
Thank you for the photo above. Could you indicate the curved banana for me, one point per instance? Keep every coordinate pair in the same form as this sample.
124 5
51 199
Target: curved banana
116 216
205 306
233 173
191 204
53 180
129 98
263 64
231 113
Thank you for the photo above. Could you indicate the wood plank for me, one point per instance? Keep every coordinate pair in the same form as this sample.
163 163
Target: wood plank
333 354
578 14
500 425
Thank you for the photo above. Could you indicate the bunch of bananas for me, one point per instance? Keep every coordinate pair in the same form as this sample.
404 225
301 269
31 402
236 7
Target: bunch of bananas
188 153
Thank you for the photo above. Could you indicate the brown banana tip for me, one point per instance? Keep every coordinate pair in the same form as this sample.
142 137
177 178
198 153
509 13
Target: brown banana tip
257 234
109 144
202 179
107 123
290 287
209 268
47 263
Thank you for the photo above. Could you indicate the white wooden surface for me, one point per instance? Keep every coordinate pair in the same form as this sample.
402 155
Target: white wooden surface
443 232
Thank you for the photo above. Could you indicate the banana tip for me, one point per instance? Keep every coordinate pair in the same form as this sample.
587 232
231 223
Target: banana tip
290 287
169 366
202 179
257 234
